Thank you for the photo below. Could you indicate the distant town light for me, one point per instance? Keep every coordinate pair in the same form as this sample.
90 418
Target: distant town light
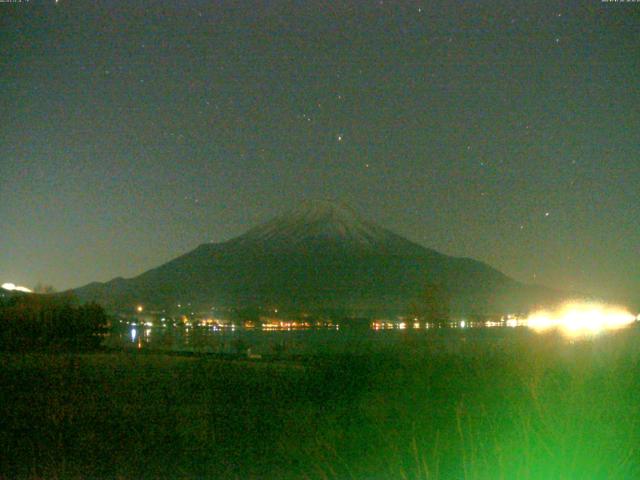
139 309
576 319
12 287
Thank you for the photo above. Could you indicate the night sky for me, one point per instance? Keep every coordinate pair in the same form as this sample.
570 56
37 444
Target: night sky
505 131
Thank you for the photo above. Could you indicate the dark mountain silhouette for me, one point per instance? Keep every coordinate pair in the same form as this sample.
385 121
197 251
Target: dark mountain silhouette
320 256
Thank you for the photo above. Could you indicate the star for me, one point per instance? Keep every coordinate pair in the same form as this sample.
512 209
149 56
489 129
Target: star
340 137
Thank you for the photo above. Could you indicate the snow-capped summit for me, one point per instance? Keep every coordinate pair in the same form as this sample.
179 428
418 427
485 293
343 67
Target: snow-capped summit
313 224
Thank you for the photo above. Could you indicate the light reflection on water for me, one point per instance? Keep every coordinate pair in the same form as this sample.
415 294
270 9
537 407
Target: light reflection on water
289 340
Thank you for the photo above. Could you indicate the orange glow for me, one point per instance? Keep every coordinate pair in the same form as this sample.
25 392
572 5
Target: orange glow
576 319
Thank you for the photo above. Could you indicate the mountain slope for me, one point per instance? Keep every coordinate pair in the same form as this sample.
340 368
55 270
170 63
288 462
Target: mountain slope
319 256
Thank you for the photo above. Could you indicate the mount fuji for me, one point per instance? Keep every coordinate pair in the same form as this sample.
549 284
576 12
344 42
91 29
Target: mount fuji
320 256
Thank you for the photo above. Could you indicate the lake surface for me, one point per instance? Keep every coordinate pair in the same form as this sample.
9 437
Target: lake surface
328 339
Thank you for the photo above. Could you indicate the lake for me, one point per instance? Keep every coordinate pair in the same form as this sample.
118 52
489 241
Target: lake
336 338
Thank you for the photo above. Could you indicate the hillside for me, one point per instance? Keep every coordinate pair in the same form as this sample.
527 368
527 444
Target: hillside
319 256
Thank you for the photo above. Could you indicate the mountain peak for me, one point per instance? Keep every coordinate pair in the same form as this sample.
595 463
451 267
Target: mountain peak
321 222
319 255
324 211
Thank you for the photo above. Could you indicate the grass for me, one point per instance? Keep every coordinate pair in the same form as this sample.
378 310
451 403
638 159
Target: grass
529 407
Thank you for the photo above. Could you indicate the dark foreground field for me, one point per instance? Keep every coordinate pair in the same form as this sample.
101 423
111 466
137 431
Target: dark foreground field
526 408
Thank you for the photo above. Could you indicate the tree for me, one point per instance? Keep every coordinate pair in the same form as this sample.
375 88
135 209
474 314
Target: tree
31 322
434 304
43 288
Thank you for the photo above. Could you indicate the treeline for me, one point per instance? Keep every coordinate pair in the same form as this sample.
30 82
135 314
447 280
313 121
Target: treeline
37 322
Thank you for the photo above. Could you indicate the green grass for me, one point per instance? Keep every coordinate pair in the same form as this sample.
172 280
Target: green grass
528 407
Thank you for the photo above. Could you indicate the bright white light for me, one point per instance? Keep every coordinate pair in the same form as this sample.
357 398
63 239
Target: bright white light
134 333
576 319
463 324
13 287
